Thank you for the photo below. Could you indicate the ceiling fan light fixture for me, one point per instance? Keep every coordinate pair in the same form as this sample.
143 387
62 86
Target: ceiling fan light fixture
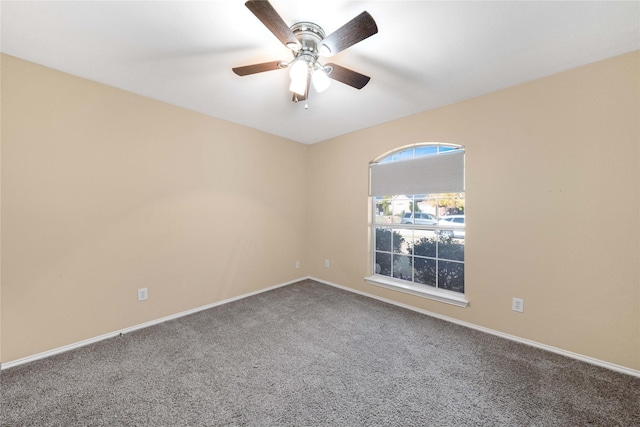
320 79
307 41
299 84
299 69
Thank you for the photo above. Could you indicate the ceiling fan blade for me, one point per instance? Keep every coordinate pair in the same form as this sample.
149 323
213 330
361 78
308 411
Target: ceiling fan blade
258 68
263 10
347 76
354 31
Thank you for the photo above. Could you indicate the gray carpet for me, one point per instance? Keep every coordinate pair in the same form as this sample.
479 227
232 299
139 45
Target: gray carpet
310 354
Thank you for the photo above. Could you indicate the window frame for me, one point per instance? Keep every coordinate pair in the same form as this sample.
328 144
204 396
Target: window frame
398 284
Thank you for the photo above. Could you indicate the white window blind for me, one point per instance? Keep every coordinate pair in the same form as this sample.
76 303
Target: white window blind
443 173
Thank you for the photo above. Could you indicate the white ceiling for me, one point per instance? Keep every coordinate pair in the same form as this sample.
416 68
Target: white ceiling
425 55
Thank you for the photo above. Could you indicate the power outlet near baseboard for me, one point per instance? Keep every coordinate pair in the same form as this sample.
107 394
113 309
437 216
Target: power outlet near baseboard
142 294
517 304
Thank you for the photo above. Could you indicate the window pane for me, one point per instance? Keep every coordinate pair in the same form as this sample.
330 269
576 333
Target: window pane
451 275
444 149
383 264
423 234
451 249
383 239
425 247
402 267
426 150
403 155
397 241
401 206
390 240
425 271
382 210
429 204
418 203
450 204
402 238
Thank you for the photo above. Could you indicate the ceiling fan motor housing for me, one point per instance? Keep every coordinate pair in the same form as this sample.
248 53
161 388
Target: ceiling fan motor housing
309 35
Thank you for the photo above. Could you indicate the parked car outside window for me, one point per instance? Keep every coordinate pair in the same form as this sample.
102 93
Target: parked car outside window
419 218
456 222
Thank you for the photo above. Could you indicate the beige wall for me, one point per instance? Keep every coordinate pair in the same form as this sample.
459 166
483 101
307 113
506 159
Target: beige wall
105 192
552 188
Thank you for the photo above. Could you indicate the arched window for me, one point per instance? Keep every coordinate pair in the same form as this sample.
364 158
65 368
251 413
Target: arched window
418 221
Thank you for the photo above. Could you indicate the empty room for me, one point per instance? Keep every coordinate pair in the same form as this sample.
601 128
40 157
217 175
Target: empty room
254 213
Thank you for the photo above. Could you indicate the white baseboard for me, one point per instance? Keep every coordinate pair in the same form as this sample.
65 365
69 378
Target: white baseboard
556 350
572 355
83 343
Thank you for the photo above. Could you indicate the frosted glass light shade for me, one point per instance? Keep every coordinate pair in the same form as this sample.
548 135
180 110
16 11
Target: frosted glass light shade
320 80
299 85
299 70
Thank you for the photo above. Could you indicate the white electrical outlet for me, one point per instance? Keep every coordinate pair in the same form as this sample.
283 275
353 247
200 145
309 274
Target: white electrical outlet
326 263
517 304
297 264
142 294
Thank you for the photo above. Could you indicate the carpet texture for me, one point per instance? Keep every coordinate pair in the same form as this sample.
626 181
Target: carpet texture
311 354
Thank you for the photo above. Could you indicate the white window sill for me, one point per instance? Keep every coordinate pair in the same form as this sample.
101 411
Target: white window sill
441 295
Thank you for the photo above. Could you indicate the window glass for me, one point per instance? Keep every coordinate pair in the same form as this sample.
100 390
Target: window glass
444 149
419 238
426 150
403 155
382 210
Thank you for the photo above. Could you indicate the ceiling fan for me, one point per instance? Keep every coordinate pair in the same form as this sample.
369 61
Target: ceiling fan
307 42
